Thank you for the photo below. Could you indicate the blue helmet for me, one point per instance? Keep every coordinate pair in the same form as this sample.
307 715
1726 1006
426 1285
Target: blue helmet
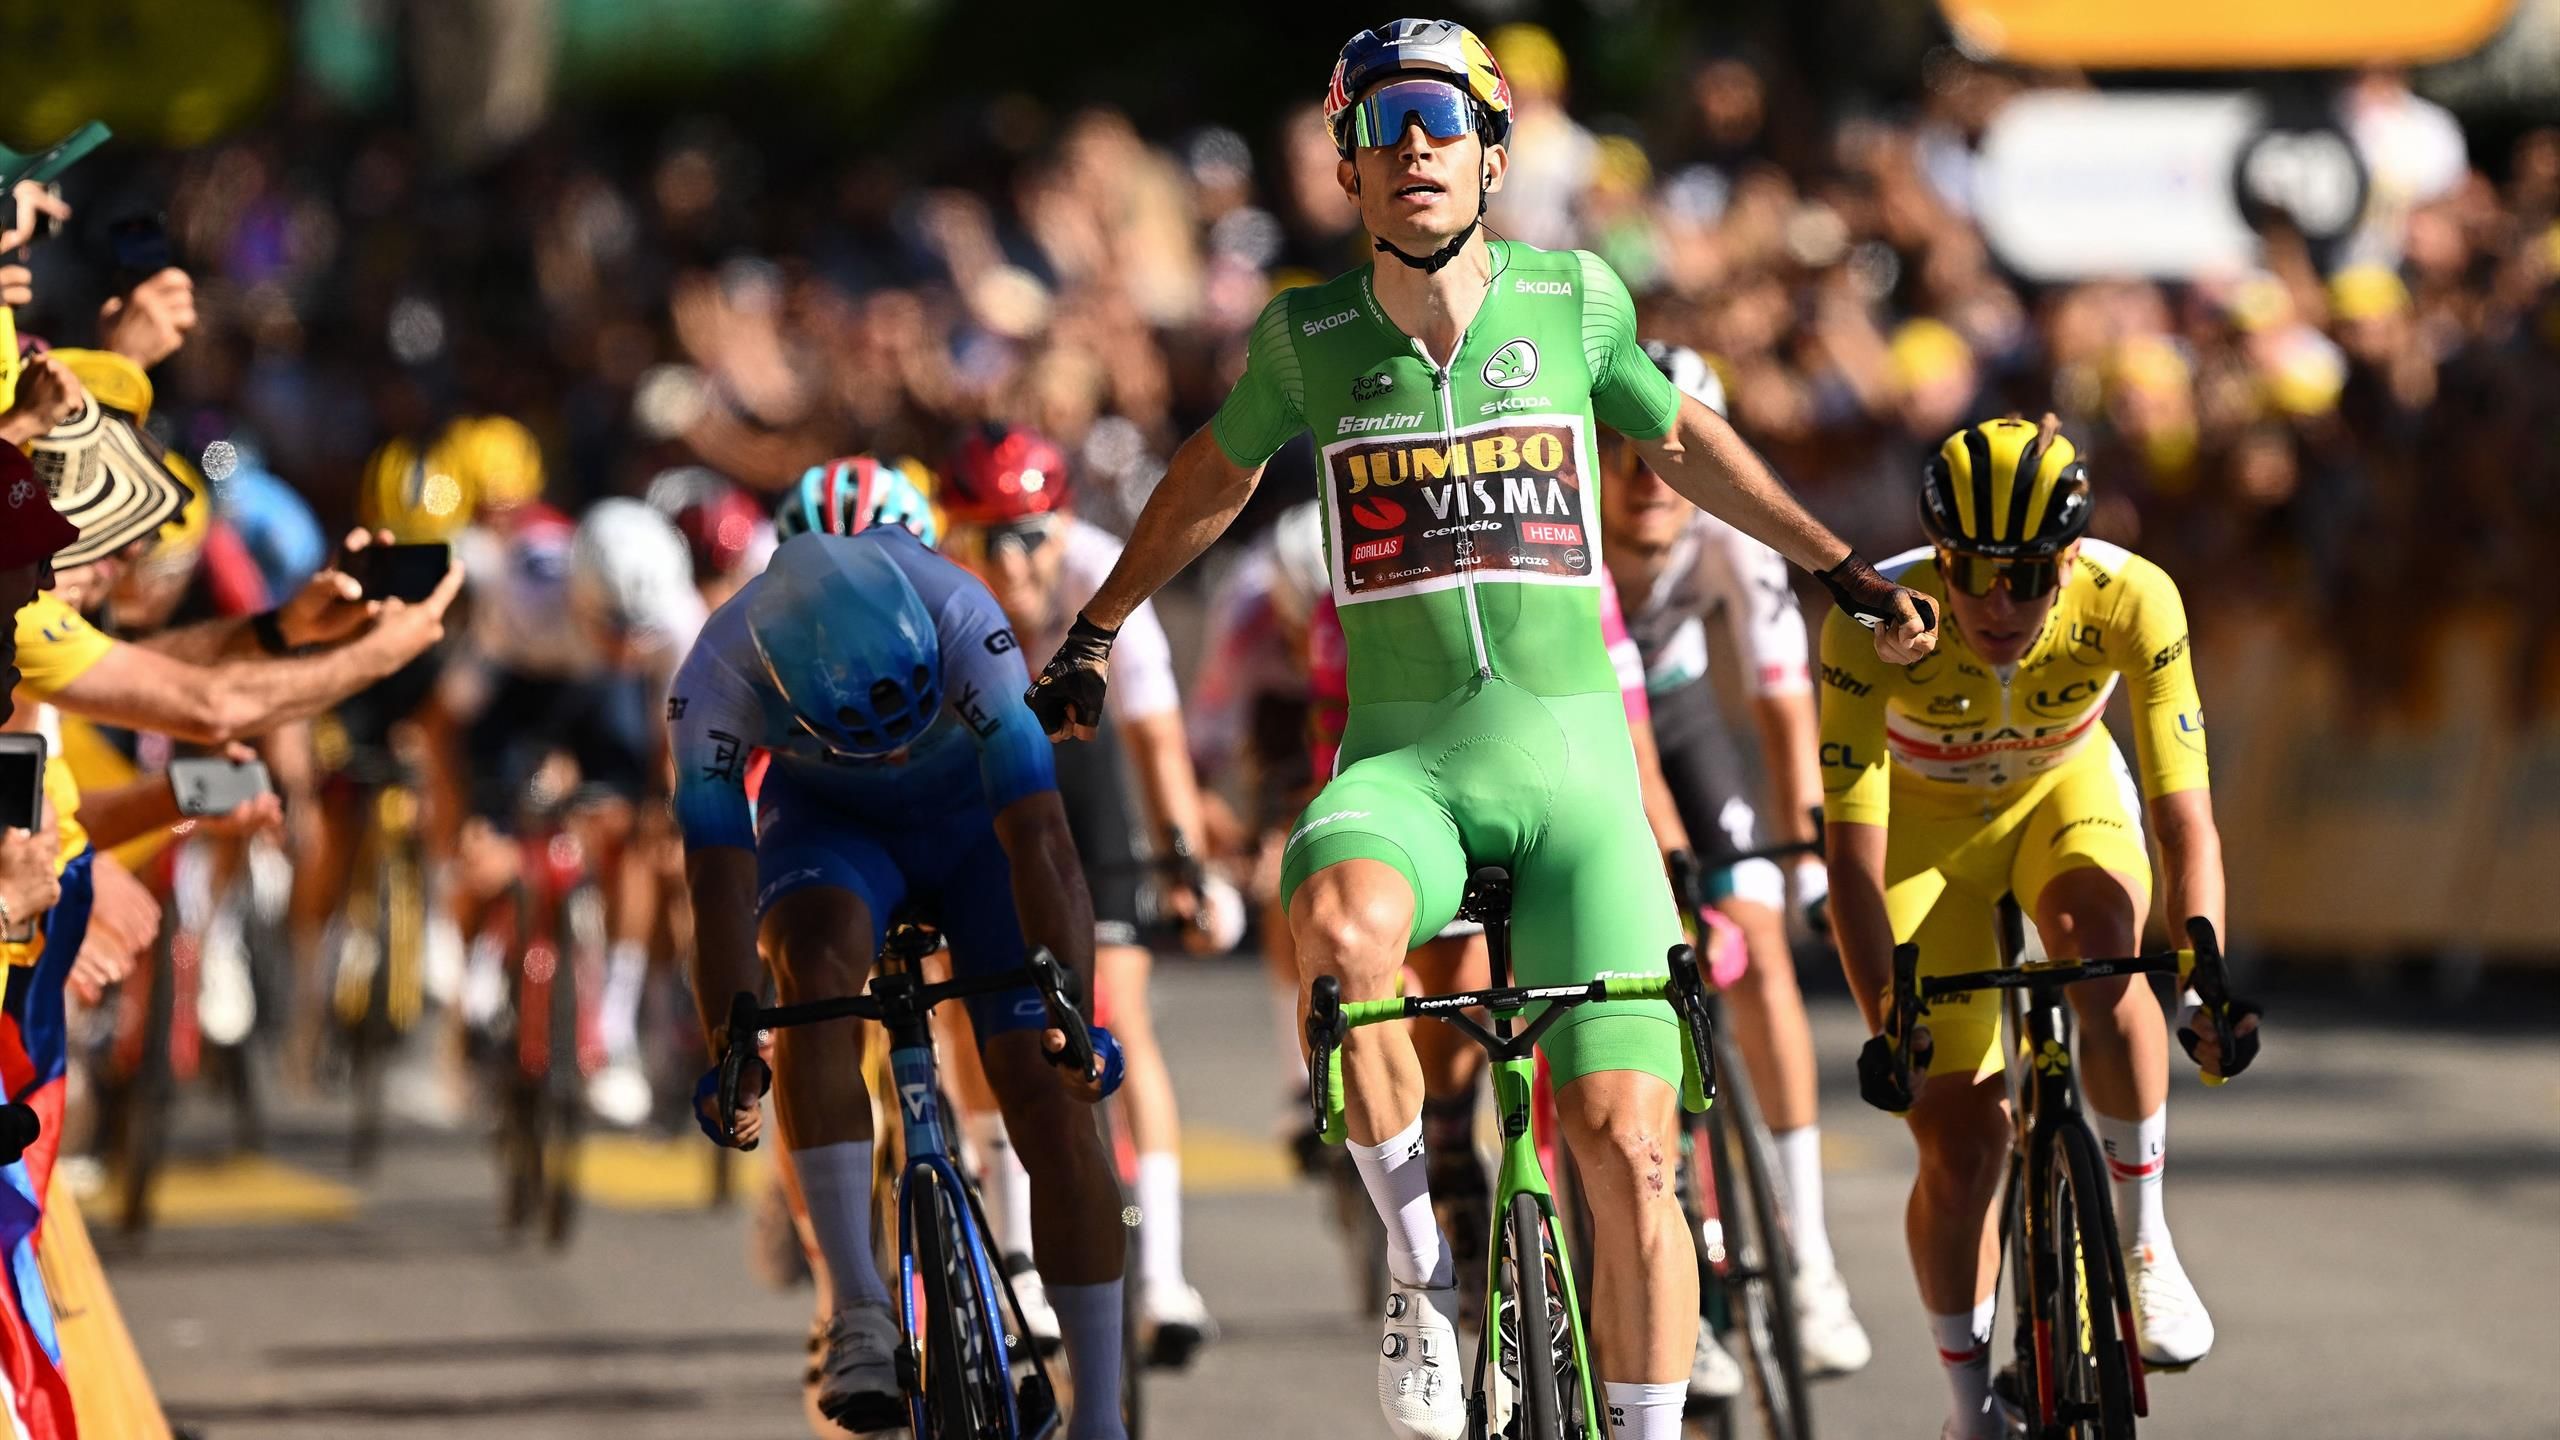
848 642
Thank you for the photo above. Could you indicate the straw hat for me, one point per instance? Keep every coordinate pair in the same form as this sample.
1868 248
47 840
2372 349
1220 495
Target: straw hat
107 475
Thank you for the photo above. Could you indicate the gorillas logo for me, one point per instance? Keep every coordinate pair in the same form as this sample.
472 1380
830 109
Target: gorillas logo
1377 513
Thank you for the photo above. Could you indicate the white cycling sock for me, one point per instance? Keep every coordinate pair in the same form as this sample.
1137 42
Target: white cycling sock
1160 1218
1800 1193
626 975
1644 1412
2136 1154
1005 1186
1397 1174
1964 1347
835 1180
1089 1324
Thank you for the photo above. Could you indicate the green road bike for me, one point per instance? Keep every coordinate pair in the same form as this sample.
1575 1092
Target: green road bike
1535 1346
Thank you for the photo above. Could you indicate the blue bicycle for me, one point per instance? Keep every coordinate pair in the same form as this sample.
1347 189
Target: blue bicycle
957 1364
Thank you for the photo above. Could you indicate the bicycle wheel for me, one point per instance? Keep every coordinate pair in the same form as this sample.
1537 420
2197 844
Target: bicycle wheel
578 929
1759 1264
965 1380
1537 1330
2092 1373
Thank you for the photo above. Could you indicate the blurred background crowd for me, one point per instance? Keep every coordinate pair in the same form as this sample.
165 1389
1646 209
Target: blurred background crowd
2355 426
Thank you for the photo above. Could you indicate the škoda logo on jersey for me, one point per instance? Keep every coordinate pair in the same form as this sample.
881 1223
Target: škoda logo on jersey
1505 500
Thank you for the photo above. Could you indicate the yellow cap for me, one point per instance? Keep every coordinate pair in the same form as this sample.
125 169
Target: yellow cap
117 382
1530 58
1924 350
2367 292
2147 363
2257 303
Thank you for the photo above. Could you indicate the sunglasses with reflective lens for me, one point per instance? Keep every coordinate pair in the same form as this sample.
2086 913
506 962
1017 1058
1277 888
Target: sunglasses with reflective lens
1380 117
1025 537
1976 574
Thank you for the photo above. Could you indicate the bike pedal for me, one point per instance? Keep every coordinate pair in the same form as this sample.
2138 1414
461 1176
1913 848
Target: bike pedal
2181 1368
1173 1346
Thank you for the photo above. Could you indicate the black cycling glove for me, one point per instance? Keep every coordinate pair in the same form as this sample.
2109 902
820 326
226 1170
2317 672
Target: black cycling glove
1888 1084
1071 685
1867 596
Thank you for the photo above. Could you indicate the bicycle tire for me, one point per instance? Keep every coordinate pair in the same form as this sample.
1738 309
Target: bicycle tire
2092 1366
1745 1163
1525 1235
964 1395
563 1094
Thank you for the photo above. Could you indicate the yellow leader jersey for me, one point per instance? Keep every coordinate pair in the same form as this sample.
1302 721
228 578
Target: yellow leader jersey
1954 728
55 647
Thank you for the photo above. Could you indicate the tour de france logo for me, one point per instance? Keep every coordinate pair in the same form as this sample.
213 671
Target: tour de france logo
1512 366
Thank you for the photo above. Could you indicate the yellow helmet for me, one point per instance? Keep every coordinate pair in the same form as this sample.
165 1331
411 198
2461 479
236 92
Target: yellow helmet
1995 489
478 463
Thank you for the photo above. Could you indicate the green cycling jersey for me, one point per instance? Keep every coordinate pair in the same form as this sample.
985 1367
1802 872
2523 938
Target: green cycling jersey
1461 518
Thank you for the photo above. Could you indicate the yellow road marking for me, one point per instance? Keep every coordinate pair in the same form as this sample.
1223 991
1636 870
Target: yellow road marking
239 1190
1226 1162
630 1172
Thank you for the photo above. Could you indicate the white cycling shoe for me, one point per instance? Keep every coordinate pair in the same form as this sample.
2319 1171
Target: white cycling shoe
1177 1324
1827 1330
858 1375
1714 1374
2176 1332
1033 1293
1418 1384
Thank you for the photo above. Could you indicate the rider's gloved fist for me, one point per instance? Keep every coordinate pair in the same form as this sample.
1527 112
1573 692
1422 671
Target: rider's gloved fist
1869 598
1068 692
757 1077
2244 1037
1886 1085
1108 1063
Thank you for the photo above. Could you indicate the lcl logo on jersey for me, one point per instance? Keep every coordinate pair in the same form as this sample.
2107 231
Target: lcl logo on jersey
1512 366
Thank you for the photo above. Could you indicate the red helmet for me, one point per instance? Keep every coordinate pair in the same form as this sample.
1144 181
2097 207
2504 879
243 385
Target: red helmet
719 528
1003 473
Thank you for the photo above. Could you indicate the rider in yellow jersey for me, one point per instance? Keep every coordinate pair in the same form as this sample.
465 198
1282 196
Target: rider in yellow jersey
1985 769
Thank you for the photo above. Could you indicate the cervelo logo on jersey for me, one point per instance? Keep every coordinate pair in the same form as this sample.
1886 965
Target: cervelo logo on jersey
1320 822
1373 424
1512 366
1318 327
1541 287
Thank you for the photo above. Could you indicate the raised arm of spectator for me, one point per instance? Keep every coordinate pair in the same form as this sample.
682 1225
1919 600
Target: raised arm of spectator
143 689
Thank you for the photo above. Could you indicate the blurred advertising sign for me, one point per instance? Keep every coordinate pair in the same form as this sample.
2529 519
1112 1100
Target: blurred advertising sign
175 72
2218 34
2073 184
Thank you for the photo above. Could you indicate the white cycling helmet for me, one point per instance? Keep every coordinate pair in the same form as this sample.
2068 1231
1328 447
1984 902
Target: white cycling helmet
630 571
1690 373
1299 574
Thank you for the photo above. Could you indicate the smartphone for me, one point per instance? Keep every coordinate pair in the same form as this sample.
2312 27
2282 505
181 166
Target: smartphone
47 165
21 780
137 249
211 785
400 572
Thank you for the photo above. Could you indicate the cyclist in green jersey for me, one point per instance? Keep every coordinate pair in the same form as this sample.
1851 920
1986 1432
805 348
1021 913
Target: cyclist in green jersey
1452 388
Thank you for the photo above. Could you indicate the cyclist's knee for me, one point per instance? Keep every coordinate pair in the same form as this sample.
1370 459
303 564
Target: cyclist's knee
820 942
1353 920
1963 1135
1623 1129
1045 1123
2087 912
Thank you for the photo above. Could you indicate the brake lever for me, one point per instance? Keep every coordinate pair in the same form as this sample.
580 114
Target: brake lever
1063 1014
733 1063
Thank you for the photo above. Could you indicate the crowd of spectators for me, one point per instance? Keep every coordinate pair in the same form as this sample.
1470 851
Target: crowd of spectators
2369 441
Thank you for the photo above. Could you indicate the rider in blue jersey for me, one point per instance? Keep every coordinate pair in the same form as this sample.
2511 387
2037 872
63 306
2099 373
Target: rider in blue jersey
880 679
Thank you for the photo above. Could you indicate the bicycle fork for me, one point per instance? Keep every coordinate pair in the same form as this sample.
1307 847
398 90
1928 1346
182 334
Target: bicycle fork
1518 1173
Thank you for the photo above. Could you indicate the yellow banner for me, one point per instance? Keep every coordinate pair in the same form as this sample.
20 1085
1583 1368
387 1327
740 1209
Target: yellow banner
2216 34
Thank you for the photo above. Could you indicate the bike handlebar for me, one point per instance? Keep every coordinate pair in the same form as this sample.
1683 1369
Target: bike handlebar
1331 1019
1040 969
2198 966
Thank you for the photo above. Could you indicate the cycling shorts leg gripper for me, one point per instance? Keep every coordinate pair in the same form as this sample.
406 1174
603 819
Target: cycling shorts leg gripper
1382 808
803 844
1591 900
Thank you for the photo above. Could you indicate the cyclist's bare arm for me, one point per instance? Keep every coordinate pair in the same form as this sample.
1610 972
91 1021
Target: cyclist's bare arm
2190 857
1193 505
1048 885
142 689
1787 739
1708 463
722 879
1161 754
1859 921
1703 459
